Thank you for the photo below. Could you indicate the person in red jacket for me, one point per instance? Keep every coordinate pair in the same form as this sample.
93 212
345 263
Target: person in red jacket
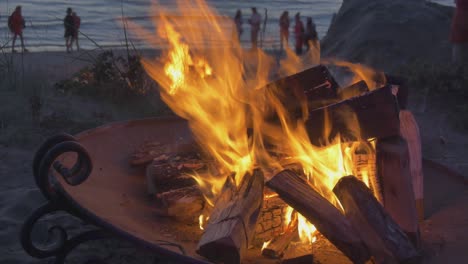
299 33
459 32
16 25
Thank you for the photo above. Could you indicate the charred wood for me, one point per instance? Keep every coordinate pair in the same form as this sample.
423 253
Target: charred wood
183 204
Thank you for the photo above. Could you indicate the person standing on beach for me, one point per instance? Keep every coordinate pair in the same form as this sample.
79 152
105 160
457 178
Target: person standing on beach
69 28
459 32
238 22
16 24
76 30
310 36
298 33
284 29
254 22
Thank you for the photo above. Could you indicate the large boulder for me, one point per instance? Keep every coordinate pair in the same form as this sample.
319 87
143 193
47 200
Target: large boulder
389 33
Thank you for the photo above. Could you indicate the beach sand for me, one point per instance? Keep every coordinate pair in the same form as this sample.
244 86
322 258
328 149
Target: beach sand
444 232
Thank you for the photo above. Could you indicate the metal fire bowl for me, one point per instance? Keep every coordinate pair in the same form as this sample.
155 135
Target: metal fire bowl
114 198
114 195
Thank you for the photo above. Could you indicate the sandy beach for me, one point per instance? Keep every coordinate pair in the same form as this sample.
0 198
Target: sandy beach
444 232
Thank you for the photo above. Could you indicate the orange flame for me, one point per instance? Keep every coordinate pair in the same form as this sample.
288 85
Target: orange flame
219 90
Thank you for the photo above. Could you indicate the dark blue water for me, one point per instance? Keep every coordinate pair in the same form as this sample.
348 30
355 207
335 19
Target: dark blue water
101 18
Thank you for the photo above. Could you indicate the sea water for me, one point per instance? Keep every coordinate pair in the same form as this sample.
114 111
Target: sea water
101 19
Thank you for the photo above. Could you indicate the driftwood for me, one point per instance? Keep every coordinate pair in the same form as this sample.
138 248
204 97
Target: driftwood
183 204
372 115
394 171
276 247
328 220
385 239
232 222
298 253
410 132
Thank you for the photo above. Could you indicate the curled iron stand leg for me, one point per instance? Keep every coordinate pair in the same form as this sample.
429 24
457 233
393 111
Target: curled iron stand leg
44 164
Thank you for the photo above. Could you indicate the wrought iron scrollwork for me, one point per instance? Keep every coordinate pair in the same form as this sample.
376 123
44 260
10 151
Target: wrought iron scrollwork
44 161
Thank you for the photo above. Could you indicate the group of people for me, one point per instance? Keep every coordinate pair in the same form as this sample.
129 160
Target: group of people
303 36
71 22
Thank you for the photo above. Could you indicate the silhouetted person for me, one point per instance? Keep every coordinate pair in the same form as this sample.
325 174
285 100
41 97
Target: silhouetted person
298 33
459 32
284 29
16 24
76 30
238 22
68 23
310 35
254 22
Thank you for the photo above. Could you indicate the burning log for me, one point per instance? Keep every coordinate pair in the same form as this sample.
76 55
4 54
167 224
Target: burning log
183 204
298 253
353 90
410 132
316 86
232 221
331 223
384 238
375 114
394 171
276 247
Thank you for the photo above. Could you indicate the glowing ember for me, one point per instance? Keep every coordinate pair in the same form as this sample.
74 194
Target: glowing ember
219 91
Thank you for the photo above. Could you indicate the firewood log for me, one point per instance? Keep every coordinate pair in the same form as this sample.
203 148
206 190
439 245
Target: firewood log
176 180
298 253
328 220
183 204
385 239
232 221
276 247
356 89
393 170
371 115
410 132
147 152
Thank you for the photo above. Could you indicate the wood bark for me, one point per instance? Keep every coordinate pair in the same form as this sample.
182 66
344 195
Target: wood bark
328 220
410 132
393 169
386 241
232 222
